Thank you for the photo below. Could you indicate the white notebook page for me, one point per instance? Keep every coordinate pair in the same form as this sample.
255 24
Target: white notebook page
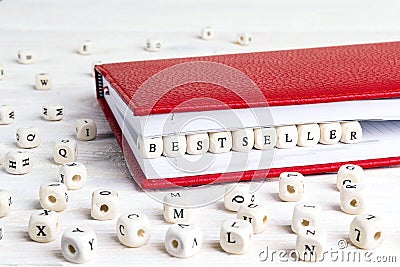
381 140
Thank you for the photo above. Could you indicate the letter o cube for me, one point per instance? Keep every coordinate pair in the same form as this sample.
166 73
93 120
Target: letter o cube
104 205
133 229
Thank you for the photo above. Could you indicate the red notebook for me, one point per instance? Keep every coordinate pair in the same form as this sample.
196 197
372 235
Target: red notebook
154 98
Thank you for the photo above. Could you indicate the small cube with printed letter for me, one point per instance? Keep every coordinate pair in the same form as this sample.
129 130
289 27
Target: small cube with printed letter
183 240
18 162
79 244
65 151
43 226
85 129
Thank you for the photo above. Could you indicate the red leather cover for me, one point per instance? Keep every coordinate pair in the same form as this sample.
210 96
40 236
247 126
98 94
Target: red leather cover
289 77
292 77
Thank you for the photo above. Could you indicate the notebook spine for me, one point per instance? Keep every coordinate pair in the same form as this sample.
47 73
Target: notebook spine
99 84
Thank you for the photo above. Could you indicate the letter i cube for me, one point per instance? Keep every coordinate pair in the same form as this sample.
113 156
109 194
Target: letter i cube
73 175
85 129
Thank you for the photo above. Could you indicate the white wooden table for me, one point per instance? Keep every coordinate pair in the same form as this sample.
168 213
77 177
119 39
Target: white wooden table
54 29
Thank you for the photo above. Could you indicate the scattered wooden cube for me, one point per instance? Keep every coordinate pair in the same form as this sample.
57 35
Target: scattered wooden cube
367 231
176 207
153 45
311 244
79 244
18 162
65 151
43 226
53 112
236 236
183 240
53 196
5 203
291 186
28 137
86 48
7 114
25 57
105 205
133 229
43 82
85 129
